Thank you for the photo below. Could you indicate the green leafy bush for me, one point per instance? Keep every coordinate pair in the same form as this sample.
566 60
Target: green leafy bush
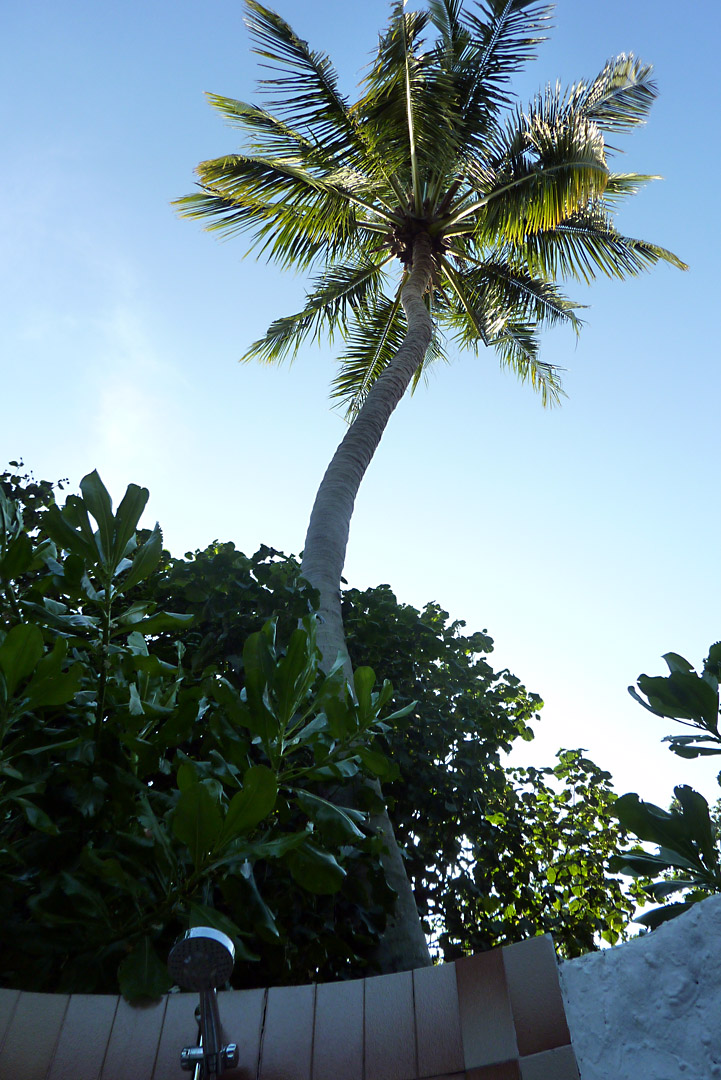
170 754
686 861
136 799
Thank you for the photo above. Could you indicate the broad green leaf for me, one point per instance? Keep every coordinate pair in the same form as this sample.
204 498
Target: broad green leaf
339 824
316 870
59 528
259 662
142 975
333 698
20 653
197 822
127 518
48 688
153 624
37 817
655 918
691 746
384 696
378 763
400 713
145 559
280 846
237 710
659 890
335 770
134 613
364 679
17 558
99 504
713 660
294 675
678 663
310 731
158 832
251 805
261 916
644 864
135 704
650 822
11 519
696 815
187 775
681 696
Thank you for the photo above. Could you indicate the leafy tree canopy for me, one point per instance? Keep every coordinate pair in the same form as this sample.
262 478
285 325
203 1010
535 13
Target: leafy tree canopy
172 754
687 859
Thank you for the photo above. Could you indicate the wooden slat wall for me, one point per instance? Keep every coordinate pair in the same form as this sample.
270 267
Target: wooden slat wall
496 1016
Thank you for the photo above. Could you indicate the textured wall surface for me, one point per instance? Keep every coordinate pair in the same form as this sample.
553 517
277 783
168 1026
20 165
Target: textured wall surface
650 1009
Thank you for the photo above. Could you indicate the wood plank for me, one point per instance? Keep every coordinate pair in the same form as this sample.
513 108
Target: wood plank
558 1064
390 1032
338 1036
30 1040
438 1023
134 1039
535 993
241 1018
8 1001
84 1037
489 1035
287 1042
180 1029
506 1070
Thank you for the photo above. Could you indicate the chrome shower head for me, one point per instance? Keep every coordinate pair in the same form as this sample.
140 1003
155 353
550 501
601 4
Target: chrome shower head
201 959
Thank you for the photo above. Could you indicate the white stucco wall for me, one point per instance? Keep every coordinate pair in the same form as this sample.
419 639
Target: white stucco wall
650 1009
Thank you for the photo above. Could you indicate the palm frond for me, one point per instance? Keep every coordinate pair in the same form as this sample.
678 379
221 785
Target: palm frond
505 38
304 89
392 109
372 340
289 235
340 291
547 163
477 313
284 178
621 186
619 98
503 287
294 214
517 349
465 312
476 56
587 245
270 137
446 16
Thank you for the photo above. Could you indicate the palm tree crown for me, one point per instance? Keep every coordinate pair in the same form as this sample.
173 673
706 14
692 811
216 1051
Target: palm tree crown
511 199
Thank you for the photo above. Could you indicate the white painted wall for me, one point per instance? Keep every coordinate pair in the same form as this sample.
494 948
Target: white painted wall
650 1009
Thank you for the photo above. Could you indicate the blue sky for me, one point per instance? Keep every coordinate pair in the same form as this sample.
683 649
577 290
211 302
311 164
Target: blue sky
585 539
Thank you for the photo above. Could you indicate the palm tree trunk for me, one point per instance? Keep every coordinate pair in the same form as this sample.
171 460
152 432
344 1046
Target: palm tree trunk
403 945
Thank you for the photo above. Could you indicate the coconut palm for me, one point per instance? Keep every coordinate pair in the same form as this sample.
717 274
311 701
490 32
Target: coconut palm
433 212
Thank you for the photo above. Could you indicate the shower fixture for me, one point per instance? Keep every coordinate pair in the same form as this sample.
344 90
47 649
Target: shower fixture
202 960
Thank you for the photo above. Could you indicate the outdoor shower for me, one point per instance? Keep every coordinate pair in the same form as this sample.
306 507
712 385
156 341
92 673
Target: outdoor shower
202 959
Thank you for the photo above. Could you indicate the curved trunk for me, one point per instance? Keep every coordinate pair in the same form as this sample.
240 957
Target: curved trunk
403 945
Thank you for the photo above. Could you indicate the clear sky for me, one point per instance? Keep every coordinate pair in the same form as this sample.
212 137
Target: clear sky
585 539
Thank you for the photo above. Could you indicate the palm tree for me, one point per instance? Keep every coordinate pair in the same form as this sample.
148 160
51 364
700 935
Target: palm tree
433 210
